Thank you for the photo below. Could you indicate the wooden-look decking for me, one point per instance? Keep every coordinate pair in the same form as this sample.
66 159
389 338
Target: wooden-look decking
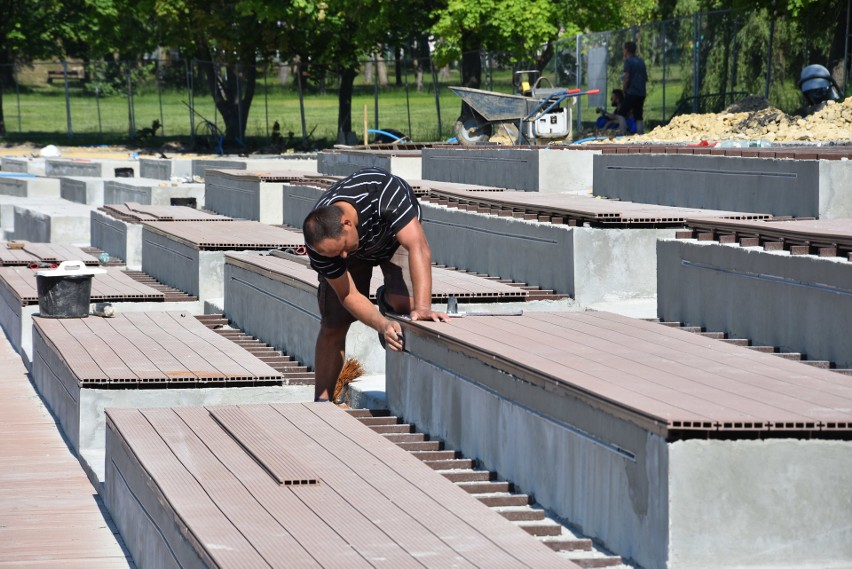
50 515
664 379
226 476
445 282
133 212
237 234
114 286
28 253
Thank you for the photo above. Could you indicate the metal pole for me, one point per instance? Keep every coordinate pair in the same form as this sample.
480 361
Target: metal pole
187 66
437 96
98 105
769 54
407 101
160 98
266 100
239 136
696 49
846 64
664 70
131 117
67 101
18 97
376 88
301 101
578 49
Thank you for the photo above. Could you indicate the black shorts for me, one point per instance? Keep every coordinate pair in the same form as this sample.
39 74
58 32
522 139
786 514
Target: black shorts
632 103
397 281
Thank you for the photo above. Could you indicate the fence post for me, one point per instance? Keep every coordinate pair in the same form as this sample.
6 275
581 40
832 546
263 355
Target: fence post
301 103
266 99
846 65
375 89
437 96
578 47
17 96
98 102
407 101
769 54
67 100
160 97
696 49
664 70
188 67
130 115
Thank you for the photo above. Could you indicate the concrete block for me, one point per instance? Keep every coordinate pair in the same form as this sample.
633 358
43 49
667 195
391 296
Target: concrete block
165 169
403 163
118 238
29 186
23 165
152 192
590 264
101 168
799 188
800 303
298 201
82 190
550 169
60 221
244 194
306 162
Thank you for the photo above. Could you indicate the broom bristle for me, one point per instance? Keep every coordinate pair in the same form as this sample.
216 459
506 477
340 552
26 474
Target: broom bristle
352 370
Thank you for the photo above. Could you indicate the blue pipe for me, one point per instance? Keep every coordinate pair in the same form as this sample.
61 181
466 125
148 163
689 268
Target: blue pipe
395 137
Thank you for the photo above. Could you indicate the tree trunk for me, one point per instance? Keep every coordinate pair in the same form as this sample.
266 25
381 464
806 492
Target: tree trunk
344 102
233 92
7 79
471 67
397 60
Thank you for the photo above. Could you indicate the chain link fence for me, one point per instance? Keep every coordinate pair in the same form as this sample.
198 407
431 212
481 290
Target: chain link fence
699 63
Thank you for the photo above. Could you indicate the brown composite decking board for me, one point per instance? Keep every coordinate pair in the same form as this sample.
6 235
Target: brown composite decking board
586 207
237 234
663 375
269 453
43 253
373 506
49 514
114 286
149 347
285 175
445 282
136 212
837 231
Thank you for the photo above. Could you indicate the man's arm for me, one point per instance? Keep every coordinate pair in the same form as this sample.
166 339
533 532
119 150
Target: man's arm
361 308
413 239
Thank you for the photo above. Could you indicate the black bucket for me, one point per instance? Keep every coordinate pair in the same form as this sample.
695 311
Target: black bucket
64 296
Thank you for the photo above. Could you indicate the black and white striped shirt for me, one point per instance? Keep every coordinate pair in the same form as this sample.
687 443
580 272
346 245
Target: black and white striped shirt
385 204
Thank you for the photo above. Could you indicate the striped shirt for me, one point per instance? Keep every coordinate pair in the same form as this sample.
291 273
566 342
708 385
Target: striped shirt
385 204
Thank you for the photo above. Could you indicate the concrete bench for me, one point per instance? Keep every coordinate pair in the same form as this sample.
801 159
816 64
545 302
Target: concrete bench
403 163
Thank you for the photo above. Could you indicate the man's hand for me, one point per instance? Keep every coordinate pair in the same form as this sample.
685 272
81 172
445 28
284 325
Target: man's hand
429 315
392 333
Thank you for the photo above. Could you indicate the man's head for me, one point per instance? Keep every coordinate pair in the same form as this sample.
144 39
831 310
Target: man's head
629 48
617 97
329 232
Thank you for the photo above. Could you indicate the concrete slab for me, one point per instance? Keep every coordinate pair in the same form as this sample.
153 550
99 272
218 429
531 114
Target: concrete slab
97 168
800 303
298 201
781 187
249 194
71 383
590 264
54 221
85 190
153 192
117 229
190 256
548 169
22 164
166 168
29 186
713 476
305 162
339 162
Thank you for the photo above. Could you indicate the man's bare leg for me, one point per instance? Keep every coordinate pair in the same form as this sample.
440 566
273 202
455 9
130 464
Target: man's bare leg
328 361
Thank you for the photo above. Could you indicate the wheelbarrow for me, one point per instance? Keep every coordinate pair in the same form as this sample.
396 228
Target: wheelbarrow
544 114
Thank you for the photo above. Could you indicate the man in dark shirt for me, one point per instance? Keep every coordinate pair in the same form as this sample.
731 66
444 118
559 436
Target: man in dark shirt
633 81
369 219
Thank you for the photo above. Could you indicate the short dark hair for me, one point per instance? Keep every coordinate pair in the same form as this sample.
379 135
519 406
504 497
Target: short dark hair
630 47
618 93
323 223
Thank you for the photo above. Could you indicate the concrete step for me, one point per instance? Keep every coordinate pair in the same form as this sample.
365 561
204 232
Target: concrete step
541 528
520 513
423 445
450 464
440 455
485 487
467 475
406 437
376 421
403 428
503 499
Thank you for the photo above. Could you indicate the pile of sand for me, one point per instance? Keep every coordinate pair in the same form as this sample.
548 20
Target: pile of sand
754 119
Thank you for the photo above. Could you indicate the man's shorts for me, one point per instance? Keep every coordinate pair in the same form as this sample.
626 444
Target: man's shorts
397 280
632 103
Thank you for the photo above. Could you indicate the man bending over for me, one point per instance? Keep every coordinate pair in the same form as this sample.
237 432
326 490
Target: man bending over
369 219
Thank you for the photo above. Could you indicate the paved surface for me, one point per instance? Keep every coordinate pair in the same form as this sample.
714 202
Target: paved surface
50 515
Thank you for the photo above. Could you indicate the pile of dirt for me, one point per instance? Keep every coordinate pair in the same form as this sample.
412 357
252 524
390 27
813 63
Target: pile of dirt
754 119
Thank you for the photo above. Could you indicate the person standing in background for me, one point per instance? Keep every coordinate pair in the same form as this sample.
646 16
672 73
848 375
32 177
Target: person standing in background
633 81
